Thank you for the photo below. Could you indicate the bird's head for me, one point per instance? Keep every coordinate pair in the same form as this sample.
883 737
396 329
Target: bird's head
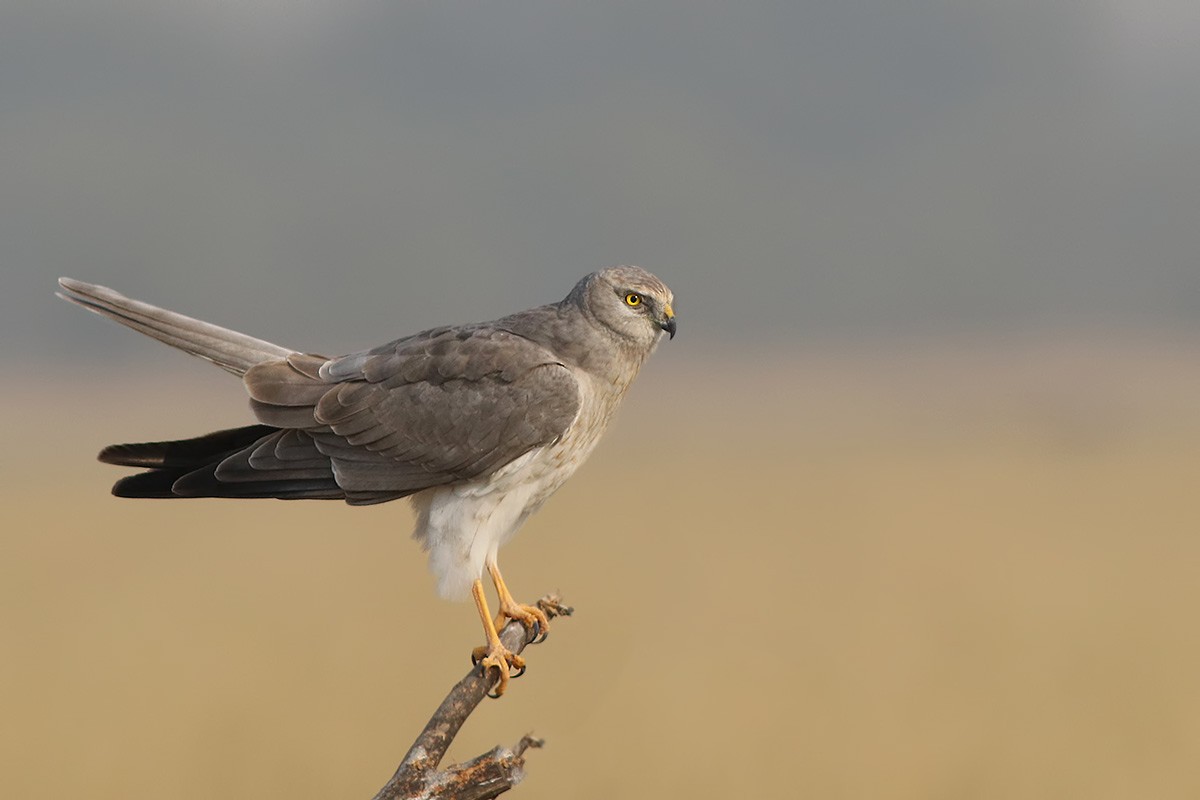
629 301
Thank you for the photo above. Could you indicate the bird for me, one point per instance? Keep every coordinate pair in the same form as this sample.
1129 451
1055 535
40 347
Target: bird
477 424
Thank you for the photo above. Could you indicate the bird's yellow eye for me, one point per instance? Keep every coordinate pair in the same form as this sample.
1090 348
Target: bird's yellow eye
633 299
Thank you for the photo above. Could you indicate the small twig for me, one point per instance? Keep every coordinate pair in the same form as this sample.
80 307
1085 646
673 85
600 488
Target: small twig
486 776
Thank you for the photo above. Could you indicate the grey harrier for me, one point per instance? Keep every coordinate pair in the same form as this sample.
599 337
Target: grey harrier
479 424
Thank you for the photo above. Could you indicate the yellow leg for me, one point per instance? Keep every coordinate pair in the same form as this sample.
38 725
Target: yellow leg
494 654
529 616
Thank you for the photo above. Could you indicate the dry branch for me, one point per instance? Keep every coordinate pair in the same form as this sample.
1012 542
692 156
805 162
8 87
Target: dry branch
485 776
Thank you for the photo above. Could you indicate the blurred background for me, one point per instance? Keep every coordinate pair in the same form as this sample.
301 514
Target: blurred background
907 509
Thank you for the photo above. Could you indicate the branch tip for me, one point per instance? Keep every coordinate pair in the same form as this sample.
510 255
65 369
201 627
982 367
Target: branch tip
528 741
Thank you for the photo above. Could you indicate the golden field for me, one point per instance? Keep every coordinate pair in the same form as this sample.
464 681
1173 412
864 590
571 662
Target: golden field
931 572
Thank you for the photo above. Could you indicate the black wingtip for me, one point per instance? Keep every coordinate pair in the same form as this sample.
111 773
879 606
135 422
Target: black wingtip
127 455
154 484
184 453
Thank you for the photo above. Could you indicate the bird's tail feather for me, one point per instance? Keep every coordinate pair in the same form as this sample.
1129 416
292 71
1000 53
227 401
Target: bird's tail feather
230 350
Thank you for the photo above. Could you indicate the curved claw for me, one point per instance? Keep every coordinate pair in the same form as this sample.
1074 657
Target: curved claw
509 664
502 683
537 624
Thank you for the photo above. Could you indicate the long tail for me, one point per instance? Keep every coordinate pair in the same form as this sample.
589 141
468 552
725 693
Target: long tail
229 350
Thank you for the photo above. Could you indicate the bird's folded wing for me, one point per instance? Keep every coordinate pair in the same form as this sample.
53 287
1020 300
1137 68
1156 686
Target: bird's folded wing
444 406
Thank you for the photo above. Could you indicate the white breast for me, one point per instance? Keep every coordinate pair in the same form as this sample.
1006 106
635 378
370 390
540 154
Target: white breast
463 525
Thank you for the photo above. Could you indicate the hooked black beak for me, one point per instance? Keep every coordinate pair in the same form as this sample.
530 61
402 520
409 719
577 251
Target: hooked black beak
668 323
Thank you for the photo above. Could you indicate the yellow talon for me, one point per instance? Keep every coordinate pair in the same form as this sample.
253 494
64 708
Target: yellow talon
494 653
529 616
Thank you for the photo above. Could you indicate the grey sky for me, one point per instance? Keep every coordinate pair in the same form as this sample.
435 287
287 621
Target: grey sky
329 174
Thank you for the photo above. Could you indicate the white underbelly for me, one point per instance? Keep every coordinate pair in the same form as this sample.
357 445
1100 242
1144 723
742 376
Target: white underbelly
463 525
